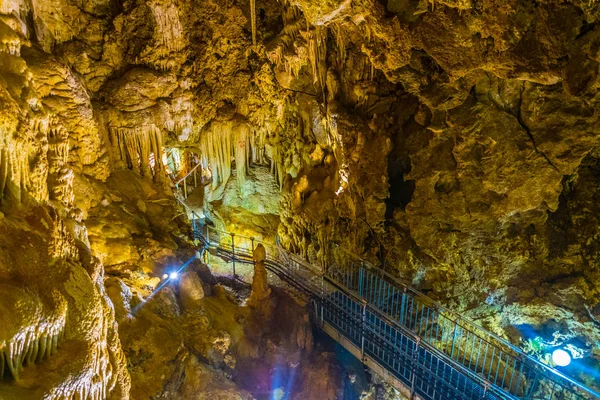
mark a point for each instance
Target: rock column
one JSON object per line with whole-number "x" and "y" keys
{"x": 259, "y": 297}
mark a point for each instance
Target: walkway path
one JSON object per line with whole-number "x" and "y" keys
{"x": 412, "y": 342}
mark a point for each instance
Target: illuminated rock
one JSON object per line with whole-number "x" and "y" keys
{"x": 259, "y": 297}
{"x": 453, "y": 142}
{"x": 190, "y": 290}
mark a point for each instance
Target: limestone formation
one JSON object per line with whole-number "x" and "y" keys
{"x": 190, "y": 290}
{"x": 454, "y": 143}
{"x": 259, "y": 297}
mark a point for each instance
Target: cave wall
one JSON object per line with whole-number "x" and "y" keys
{"x": 485, "y": 112}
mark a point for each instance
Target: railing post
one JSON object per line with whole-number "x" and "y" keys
{"x": 233, "y": 253}
{"x": 193, "y": 226}
{"x": 362, "y": 332}
{"x": 184, "y": 188}
{"x": 361, "y": 276}
{"x": 454, "y": 339}
{"x": 195, "y": 179}
{"x": 380, "y": 291}
{"x": 402, "y": 306}
{"x": 533, "y": 386}
{"x": 414, "y": 367}
{"x": 486, "y": 386}
{"x": 208, "y": 243}
{"x": 322, "y": 296}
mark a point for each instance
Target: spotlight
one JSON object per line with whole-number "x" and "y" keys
{"x": 173, "y": 275}
{"x": 561, "y": 357}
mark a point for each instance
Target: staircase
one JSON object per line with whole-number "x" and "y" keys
{"x": 413, "y": 343}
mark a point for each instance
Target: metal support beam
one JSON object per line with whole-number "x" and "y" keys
{"x": 233, "y": 253}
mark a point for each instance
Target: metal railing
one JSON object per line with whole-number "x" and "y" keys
{"x": 190, "y": 180}
{"x": 483, "y": 353}
{"x": 435, "y": 352}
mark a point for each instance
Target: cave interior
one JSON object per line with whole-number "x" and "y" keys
{"x": 185, "y": 185}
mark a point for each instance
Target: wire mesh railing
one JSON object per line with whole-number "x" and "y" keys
{"x": 420, "y": 368}
{"x": 436, "y": 352}
{"x": 497, "y": 361}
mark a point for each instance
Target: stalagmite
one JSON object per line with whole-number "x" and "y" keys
{"x": 260, "y": 294}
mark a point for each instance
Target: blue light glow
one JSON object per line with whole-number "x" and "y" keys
{"x": 188, "y": 262}
{"x": 561, "y": 357}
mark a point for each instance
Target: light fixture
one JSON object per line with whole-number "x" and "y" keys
{"x": 561, "y": 357}
{"x": 173, "y": 275}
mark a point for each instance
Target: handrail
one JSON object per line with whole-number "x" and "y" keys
{"x": 188, "y": 174}
{"x": 554, "y": 376}
{"x": 459, "y": 318}
{"x": 247, "y": 258}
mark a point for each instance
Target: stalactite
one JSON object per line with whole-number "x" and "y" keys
{"x": 215, "y": 144}
{"x": 290, "y": 14}
{"x": 253, "y": 20}
{"x": 14, "y": 166}
{"x": 10, "y": 42}
{"x": 4, "y": 169}
{"x": 340, "y": 40}
{"x": 277, "y": 166}
{"x": 11, "y": 48}
{"x": 181, "y": 126}
{"x": 293, "y": 27}
{"x": 135, "y": 145}
{"x": 35, "y": 337}
{"x": 60, "y": 177}
{"x": 168, "y": 31}
{"x": 317, "y": 54}
{"x": 228, "y": 141}
{"x": 241, "y": 153}
{"x": 257, "y": 146}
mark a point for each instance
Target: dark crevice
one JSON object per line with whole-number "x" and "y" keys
{"x": 528, "y": 131}
{"x": 401, "y": 192}
{"x": 586, "y": 27}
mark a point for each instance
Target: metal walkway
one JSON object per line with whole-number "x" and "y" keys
{"x": 412, "y": 342}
